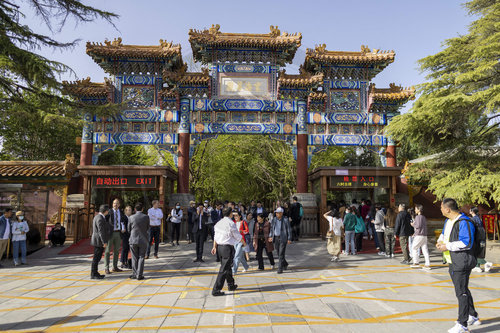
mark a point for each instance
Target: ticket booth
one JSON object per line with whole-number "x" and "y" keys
{"x": 332, "y": 184}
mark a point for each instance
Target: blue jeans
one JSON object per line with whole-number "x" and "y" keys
{"x": 239, "y": 256}
{"x": 349, "y": 239}
{"x": 15, "y": 251}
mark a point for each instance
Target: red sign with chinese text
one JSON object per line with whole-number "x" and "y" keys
{"x": 489, "y": 222}
{"x": 124, "y": 182}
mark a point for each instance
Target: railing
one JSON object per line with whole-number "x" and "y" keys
{"x": 78, "y": 222}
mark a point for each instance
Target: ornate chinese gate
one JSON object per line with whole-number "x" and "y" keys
{"x": 242, "y": 90}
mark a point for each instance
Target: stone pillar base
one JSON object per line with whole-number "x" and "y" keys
{"x": 182, "y": 198}
{"x": 309, "y": 225}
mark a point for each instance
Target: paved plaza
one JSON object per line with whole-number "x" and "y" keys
{"x": 363, "y": 293}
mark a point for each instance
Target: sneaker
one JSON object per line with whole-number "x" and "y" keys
{"x": 381, "y": 253}
{"x": 244, "y": 270}
{"x": 404, "y": 262}
{"x": 387, "y": 255}
{"x": 488, "y": 266}
{"x": 458, "y": 328}
{"x": 473, "y": 321}
{"x": 426, "y": 268}
{"x": 415, "y": 265}
{"x": 392, "y": 255}
{"x": 477, "y": 269}
{"x": 334, "y": 259}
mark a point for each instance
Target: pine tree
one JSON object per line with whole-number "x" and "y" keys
{"x": 457, "y": 113}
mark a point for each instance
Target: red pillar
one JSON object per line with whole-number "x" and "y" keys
{"x": 86, "y": 153}
{"x": 183, "y": 164}
{"x": 390, "y": 155}
{"x": 301, "y": 163}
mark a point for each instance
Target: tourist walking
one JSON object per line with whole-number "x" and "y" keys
{"x": 155, "y": 215}
{"x": 281, "y": 235}
{"x": 403, "y": 230}
{"x": 359, "y": 231}
{"x": 175, "y": 222}
{"x": 239, "y": 248}
{"x": 349, "y": 230}
{"x": 456, "y": 242}
{"x": 474, "y": 212}
{"x": 261, "y": 241}
{"x": 191, "y": 212}
{"x": 296, "y": 213}
{"x": 334, "y": 235}
{"x": 57, "y": 236}
{"x": 99, "y": 239}
{"x": 420, "y": 239}
{"x": 19, "y": 229}
{"x": 225, "y": 238}
{"x": 138, "y": 227}
{"x": 216, "y": 217}
{"x": 4, "y": 231}
{"x": 116, "y": 221}
{"x": 200, "y": 231}
{"x": 125, "y": 239}
{"x": 379, "y": 228}
{"x": 390, "y": 239}
{"x": 251, "y": 228}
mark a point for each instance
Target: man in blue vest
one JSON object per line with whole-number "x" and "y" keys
{"x": 456, "y": 242}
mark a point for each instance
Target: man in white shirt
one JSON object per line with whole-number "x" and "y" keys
{"x": 226, "y": 236}
{"x": 155, "y": 215}
{"x": 4, "y": 231}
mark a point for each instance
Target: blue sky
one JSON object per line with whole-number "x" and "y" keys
{"x": 413, "y": 29}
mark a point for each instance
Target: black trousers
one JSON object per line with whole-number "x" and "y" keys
{"x": 125, "y": 249}
{"x": 154, "y": 233}
{"x": 176, "y": 231}
{"x": 199, "y": 238}
{"x": 261, "y": 246}
{"x": 226, "y": 267}
{"x": 57, "y": 240}
{"x": 381, "y": 240}
{"x": 465, "y": 302}
{"x": 190, "y": 232}
{"x": 280, "y": 247}
{"x": 358, "y": 241}
{"x": 295, "y": 230}
{"x": 98, "y": 251}
{"x": 210, "y": 231}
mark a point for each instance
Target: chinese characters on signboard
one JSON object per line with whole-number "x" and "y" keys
{"x": 124, "y": 182}
{"x": 359, "y": 182}
{"x": 256, "y": 87}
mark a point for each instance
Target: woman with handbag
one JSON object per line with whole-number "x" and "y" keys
{"x": 334, "y": 233}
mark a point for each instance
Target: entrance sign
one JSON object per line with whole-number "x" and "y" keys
{"x": 124, "y": 182}
{"x": 244, "y": 86}
{"x": 359, "y": 182}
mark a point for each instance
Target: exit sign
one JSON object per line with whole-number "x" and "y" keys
{"x": 124, "y": 182}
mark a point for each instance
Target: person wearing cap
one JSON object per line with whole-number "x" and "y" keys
{"x": 225, "y": 238}
{"x": 4, "y": 231}
{"x": 19, "y": 229}
{"x": 281, "y": 235}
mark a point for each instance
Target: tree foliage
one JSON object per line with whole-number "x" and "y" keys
{"x": 457, "y": 112}
{"x": 243, "y": 167}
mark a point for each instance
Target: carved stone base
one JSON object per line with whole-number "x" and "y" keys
{"x": 182, "y": 198}
{"x": 309, "y": 224}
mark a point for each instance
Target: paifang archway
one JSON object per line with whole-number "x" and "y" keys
{"x": 241, "y": 90}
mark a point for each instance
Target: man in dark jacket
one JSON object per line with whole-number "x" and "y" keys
{"x": 456, "y": 242}
{"x": 191, "y": 213}
{"x": 57, "y": 236}
{"x": 138, "y": 228}
{"x": 200, "y": 220}
{"x": 404, "y": 230}
{"x": 296, "y": 212}
{"x": 280, "y": 235}
{"x": 100, "y": 237}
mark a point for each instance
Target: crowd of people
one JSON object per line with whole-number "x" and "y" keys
{"x": 114, "y": 228}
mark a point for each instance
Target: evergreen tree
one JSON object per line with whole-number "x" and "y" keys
{"x": 457, "y": 114}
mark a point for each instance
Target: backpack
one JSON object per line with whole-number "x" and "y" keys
{"x": 479, "y": 243}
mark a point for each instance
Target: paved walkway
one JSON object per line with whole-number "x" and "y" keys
{"x": 363, "y": 293}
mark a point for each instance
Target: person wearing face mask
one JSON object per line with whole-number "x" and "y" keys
{"x": 19, "y": 229}
{"x": 176, "y": 219}
{"x": 155, "y": 215}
